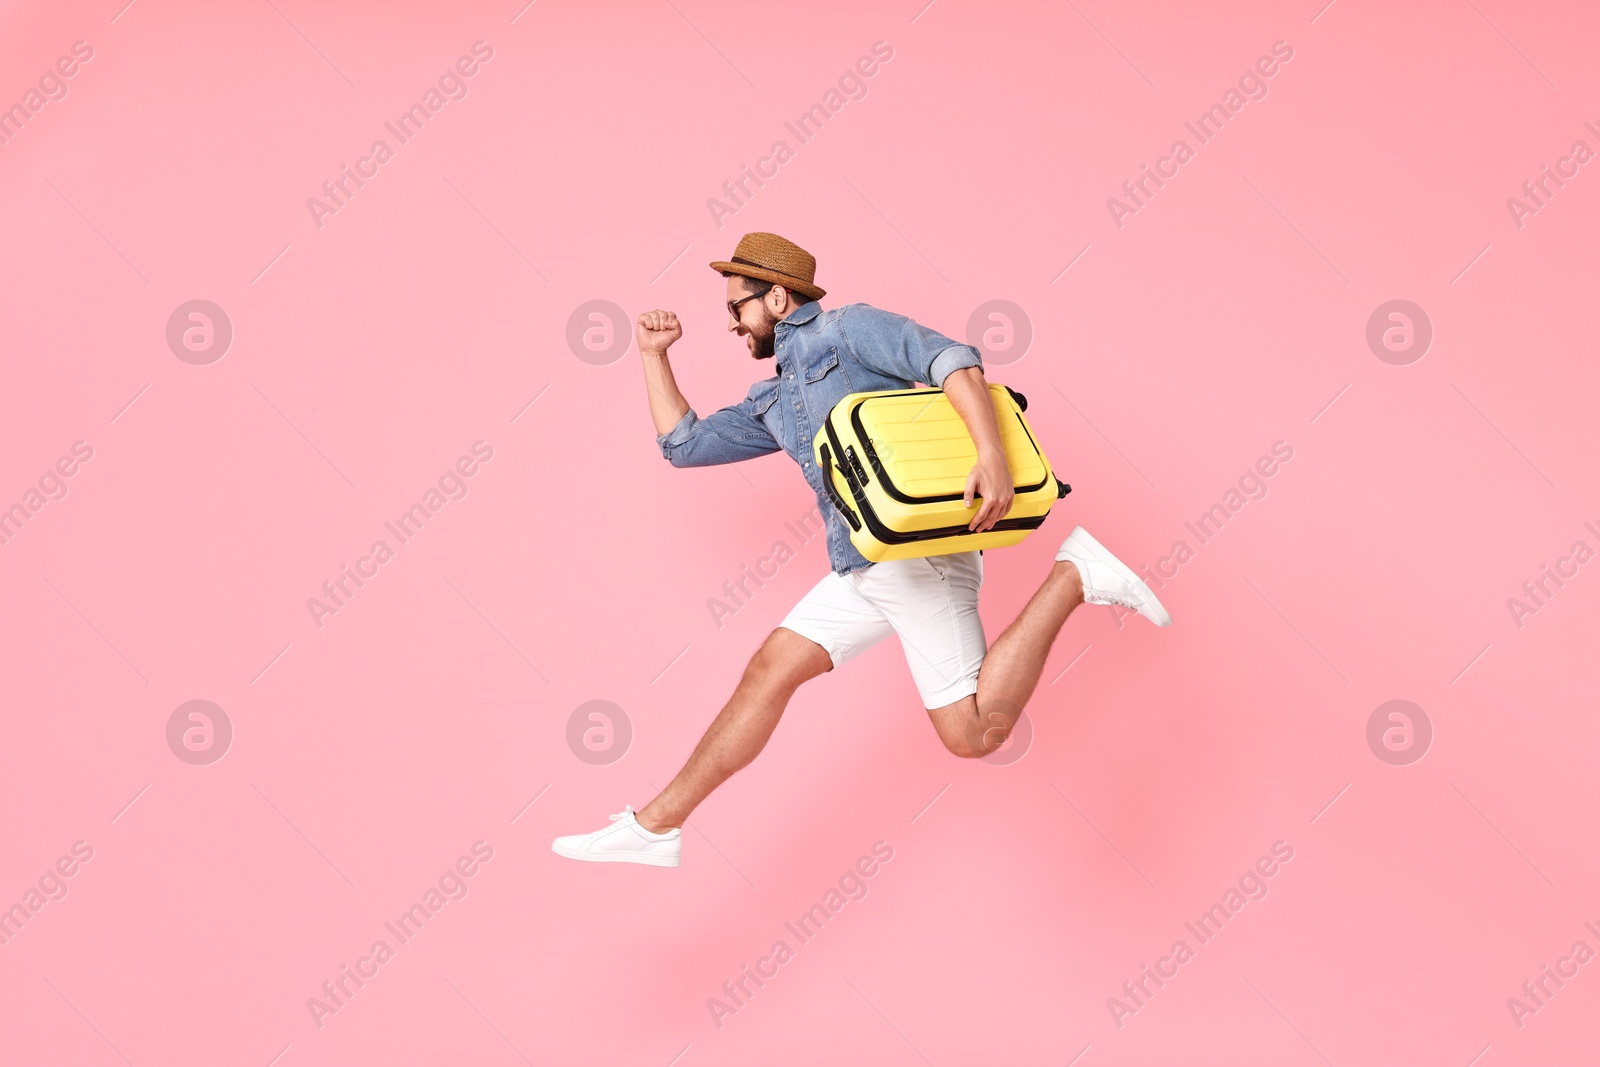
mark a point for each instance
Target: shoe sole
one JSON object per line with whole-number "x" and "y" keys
{"x": 1158, "y": 612}
{"x": 616, "y": 857}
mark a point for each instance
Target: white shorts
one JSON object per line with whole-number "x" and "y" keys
{"x": 931, "y": 602}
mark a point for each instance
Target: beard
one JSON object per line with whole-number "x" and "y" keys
{"x": 763, "y": 336}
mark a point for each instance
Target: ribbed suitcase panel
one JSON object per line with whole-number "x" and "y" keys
{"x": 923, "y": 447}
{"x": 926, "y": 449}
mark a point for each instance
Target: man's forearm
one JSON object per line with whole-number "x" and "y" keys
{"x": 667, "y": 404}
{"x": 969, "y": 395}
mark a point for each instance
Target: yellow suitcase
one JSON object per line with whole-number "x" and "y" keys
{"x": 895, "y": 463}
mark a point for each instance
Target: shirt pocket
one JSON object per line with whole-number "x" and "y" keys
{"x": 762, "y": 407}
{"x": 823, "y": 365}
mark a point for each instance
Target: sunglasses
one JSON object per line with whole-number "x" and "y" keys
{"x": 733, "y": 305}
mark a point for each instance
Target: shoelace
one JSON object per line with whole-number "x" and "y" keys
{"x": 1126, "y": 600}
{"x": 652, "y": 835}
{"x": 623, "y": 814}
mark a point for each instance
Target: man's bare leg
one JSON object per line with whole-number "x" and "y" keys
{"x": 977, "y": 725}
{"x": 740, "y": 730}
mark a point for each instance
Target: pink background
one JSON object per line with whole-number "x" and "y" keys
{"x": 368, "y": 754}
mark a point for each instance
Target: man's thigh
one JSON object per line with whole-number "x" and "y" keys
{"x": 932, "y": 603}
{"x": 837, "y": 617}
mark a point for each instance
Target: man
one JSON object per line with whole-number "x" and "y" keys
{"x": 974, "y": 695}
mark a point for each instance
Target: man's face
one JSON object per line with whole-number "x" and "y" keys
{"x": 756, "y": 324}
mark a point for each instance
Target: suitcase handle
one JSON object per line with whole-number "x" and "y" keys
{"x": 1022, "y": 401}
{"x": 833, "y": 494}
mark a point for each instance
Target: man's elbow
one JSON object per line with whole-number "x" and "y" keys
{"x": 689, "y": 454}
{"x": 963, "y": 374}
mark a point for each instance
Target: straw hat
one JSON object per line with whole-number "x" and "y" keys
{"x": 772, "y": 259}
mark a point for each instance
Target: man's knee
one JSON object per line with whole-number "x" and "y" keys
{"x": 957, "y": 726}
{"x": 786, "y": 659}
{"x": 964, "y": 748}
{"x": 972, "y": 732}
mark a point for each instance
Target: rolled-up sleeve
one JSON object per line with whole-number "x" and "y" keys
{"x": 895, "y": 345}
{"x": 727, "y": 435}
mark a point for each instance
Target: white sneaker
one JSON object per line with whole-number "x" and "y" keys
{"x": 1108, "y": 580}
{"x": 624, "y": 841}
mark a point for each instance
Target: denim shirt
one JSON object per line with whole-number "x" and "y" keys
{"x": 821, "y": 356}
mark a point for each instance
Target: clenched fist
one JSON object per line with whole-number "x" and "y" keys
{"x": 656, "y": 330}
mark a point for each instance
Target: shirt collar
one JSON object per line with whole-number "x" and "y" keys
{"x": 799, "y": 316}
{"x": 802, "y": 314}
